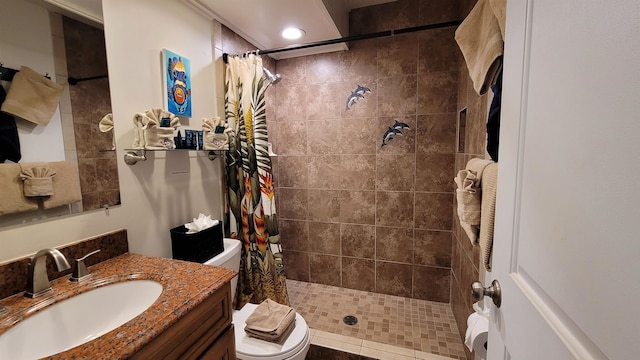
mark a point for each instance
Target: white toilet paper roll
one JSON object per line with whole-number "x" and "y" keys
{"x": 477, "y": 333}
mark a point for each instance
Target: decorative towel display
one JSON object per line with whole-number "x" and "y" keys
{"x": 481, "y": 41}
{"x": 216, "y": 133}
{"x": 9, "y": 140}
{"x": 38, "y": 181}
{"x": 150, "y": 132}
{"x": 12, "y": 191}
{"x": 139, "y": 122}
{"x": 469, "y": 197}
{"x": 66, "y": 185}
{"x": 488, "y": 211}
{"x": 32, "y": 97}
{"x": 106, "y": 125}
{"x": 271, "y": 322}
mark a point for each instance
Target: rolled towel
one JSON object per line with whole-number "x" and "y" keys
{"x": 38, "y": 181}
{"x": 270, "y": 320}
{"x": 481, "y": 42}
{"x": 139, "y": 122}
{"x": 469, "y": 196}
{"x": 106, "y": 125}
{"x": 216, "y": 133}
{"x": 476, "y": 166}
{"x": 155, "y": 116}
{"x": 158, "y": 137}
{"x": 32, "y": 97}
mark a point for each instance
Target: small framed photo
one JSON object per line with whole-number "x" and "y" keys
{"x": 176, "y": 79}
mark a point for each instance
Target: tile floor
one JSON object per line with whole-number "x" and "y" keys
{"x": 389, "y": 327}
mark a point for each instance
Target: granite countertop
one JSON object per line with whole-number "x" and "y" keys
{"x": 185, "y": 285}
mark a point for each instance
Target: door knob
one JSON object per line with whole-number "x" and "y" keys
{"x": 493, "y": 291}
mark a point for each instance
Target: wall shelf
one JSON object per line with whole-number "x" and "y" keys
{"x": 132, "y": 156}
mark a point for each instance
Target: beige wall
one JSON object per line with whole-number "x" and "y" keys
{"x": 169, "y": 188}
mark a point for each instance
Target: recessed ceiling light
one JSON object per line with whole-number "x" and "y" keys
{"x": 292, "y": 33}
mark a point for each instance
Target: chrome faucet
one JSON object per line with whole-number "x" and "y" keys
{"x": 38, "y": 280}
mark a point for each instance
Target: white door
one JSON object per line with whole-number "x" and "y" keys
{"x": 567, "y": 239}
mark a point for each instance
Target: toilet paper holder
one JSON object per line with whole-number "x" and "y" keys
{"x": 494, "y": 292}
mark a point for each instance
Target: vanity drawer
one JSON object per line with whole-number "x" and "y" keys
{"x": 224, "y": 348}
{"x": 195, "y": 332}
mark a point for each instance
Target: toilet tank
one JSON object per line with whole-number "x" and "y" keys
{"x": 229, "y": 258}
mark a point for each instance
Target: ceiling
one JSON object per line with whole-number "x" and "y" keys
{"x": 320, "y": 19}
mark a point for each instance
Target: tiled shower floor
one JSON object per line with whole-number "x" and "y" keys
{"x": 413, "y": 327}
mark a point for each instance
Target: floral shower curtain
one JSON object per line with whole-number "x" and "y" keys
{"x": 252, "y": 205}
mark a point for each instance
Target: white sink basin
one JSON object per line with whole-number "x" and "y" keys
{"x": 78, "y": 320}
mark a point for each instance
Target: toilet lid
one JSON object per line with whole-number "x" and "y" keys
{"x": 260, "y": 349}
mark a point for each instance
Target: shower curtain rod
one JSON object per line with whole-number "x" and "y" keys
{"x": 354, "y": 38}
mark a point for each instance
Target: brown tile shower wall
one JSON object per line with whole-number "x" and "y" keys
{"x": 352, "y": 213}
{"x": 90, "y": 102}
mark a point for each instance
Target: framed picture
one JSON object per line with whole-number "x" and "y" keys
{"x": 177, "y": 83}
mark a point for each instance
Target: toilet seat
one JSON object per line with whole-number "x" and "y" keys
{"x": 248, "y": 348}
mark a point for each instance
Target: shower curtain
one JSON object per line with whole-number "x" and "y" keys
{"x": 252, "y": 205}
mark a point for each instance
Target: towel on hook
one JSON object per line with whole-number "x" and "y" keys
{"x": 469, "y": 197}
{"x": 480, "y": 40}
{"x": 32, "y": 97}
{"x": 488, "y": 212}
{"x": 66, "y": 185}
{"x": 12, "y": 191}
{"x": 499, "y": 8}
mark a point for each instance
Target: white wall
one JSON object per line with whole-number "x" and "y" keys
{"x": 25, "y": 40}
{"x": 170, "y": 188}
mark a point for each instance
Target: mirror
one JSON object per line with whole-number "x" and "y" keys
{"x": 64, "y": 45}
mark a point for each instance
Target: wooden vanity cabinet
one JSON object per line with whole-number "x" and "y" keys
{"x": 205, "y": 332}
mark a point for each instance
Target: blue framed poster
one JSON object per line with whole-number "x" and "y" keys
{"x": 177, "y": 83}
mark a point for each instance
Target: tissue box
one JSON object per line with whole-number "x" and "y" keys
{"x": 197, "y": 247}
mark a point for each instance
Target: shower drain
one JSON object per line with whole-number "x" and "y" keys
{"x": 350, "y": 320}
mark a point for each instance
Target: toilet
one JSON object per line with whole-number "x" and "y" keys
{"x": 247, "y": 348}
